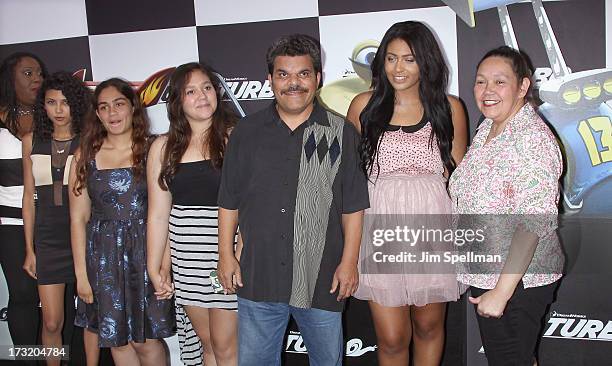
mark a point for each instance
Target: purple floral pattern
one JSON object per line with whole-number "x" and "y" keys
{"x": 125, "y": 308}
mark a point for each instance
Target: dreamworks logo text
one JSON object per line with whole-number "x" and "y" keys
{"x": 578, "y": 327}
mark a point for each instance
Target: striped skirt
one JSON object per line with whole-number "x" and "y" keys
{"x": 194, "y": 248}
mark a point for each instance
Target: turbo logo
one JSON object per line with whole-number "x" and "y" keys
{"x": 155, "y": 89}
{"x": 244, "y": 89}
{"x": 541, "y": 75}
{"x": 354, "y": 347}
{"x": 574, "y": 326}
{"x": 3, "y": 314}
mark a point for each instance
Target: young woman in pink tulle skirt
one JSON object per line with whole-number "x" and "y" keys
{"x": 413, "y": 135}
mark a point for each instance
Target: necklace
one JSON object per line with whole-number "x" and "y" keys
{"x": 24, "y": 111}
{"x": 60, "y": 149}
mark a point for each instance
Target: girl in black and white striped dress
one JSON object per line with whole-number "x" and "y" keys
{"x": 184, "y": 172}
{"x": 193, "y": 235}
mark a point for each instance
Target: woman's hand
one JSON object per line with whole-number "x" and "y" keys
{"x": 29, "y": 265}
{"x": 84, "y": 291}
{"x": 491, "y": 304}
{"x": 162, "y": 282}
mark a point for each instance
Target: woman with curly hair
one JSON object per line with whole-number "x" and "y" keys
{"x": 184, "y": 172}
{"x": 61, "y": 107}
{"x": 21, "y": 75}
{"x": 108, "y": 212}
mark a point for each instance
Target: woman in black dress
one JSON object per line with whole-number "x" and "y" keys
{"x": 21, "y": 75}
{"x": 61, "y": 106}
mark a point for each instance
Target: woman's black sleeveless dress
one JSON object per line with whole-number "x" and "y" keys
{"x": 50, "y": 167}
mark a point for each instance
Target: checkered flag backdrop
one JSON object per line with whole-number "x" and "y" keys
{"x": 138, "y": 40}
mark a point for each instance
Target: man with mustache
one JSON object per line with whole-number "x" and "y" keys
{"x": 291, "y": 180}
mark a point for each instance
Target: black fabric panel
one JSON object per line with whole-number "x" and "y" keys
{"x": 12, "y": 212}
{"x": 12, "y": 172}
{"x": 335, "y": 7}
{"x": 117, "y": 16}
{"x": 68, "y": 54}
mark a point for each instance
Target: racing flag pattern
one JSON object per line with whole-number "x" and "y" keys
{"x": 142, "y": 41}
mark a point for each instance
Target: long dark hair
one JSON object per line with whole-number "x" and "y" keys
{"x": 8, "y": 97}
{"x": 77, "y": 95}
{"x": 94, "y": 134}
{"x": 179, "y": 133}
{"x": 433, "y": 75}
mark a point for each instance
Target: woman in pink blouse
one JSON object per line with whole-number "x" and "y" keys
{"x": 512, "y": 168}
{"x": 412, "y": 136}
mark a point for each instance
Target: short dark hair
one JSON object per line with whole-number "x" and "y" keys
{"x": 519, "y": 61}
{"x": 295, "y": 45}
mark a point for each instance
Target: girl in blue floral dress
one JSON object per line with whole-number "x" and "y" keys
{"x": 108, "y": 206}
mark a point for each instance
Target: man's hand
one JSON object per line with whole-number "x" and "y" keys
{"x": 346, "y": 278}
{"x": 491, "y": 304}
{"x": 229, "y": 273}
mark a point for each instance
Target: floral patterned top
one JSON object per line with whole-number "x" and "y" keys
{"x": 408, "y": 150}
{"x": 516, "y": 173}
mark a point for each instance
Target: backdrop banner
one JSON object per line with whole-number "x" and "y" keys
{"x": 567, "y": 41}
